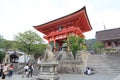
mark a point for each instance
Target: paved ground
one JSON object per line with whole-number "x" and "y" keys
{"x": 71, "y": 77}
{"x": 86, "y": 77}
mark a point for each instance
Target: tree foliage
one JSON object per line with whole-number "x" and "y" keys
{"x": 75, "y": 44}
{"x": 2, "y": 55}
{"x": 90, "y": 43}
{"x": 98, "y": 45}
{"x": 2, "y": 43}
{"x": 30, "y": 42}
{"x": 2, "y": 40}
{"x": 6, "y": 44}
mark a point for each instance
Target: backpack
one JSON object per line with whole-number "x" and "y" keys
{"x": 30, "y": 68}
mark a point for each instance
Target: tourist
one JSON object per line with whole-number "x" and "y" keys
{"x": 89, "y": 72}
{"x": 91, "y": 51}
{"x": 25, "y": 70}
{"x": 5, "y": 70}
{"x": 30, "y": 70}
{"x": 10, "y": 70}
{"x": 1, "y": 69}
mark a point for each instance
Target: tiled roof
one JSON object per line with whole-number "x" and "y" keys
{"x": 108, "y": 34}
{"x": 80, "y": 14}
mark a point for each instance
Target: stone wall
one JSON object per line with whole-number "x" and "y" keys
{"x": 67, "y": 65}
{"x": 69, "y": 68}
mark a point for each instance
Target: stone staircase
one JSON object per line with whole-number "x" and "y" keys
{"x": 104, "y": 63}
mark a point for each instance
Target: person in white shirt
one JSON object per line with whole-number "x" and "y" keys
{"x": 25, "y": 69}
{"x": 30, "y": 71}
{"x": 89, "y": 72}
{"x": 5, "y": 70}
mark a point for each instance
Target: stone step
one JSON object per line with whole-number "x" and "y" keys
{"x": 105, "y": 64}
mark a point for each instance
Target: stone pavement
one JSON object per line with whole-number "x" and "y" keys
{"x": 91, "y": 77}
{"x": 71, "y": 77}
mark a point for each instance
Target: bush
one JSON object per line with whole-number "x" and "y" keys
{"x": 110, "y": 51}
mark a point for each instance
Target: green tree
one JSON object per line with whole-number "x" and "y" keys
{"x": 75, "y": 44}
{"x": 2, "y": 55}
{"x": 90, "y": 43}
{"x": 5, "y": 44}
{"x": 1, "y": 38}
{"x": 30, "y": 42}
{"x": 39, "y": 50}
{"x": 1, "y": 42}
{"x": 98, "y": 45}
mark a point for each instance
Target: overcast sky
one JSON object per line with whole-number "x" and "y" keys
{"x": 17, "y": 16}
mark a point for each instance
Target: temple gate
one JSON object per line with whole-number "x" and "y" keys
{"x": 56, "y": 31}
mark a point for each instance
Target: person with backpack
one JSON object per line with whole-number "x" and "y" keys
{"x": 1, "y": 69}
{"x": 30, "y": 70}
{"x": 10, "y": 70}
{"x": 25, "y": 70}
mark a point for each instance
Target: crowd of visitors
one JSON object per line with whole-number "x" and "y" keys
{"x": 6, "y": 70}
